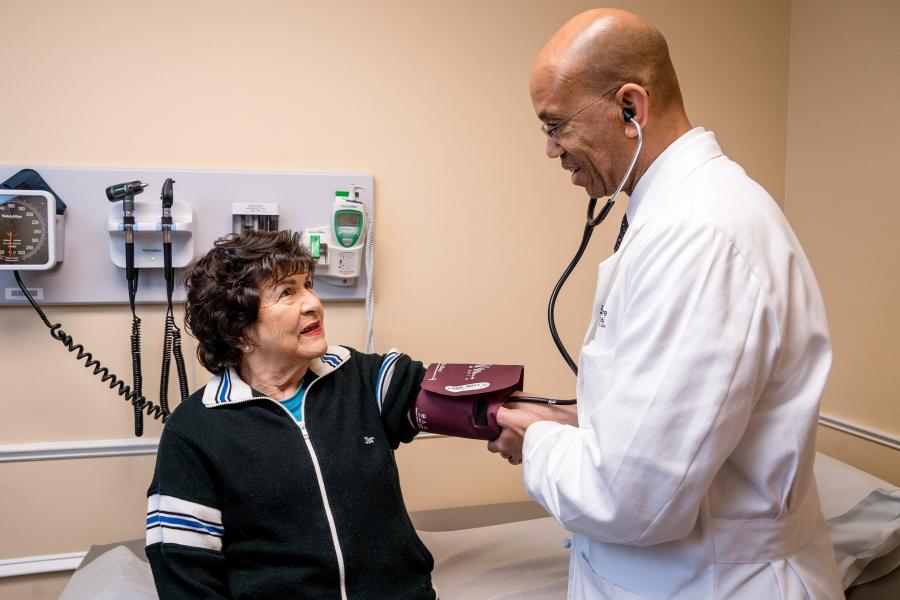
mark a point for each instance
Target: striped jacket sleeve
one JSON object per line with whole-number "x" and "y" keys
{"x": 184, "y": 524}
{"x": 397, "y": 384}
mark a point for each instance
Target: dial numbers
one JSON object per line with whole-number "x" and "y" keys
{"x": 23, "y": 230}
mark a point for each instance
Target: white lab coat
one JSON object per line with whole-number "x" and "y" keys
{"x": 690, "y": 475}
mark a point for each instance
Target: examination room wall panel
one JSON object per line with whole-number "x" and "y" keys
{"x": 842, "y": 182}
{"x": 474, "y": 224}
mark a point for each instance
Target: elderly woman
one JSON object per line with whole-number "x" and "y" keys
{"x": 277, "y": 479}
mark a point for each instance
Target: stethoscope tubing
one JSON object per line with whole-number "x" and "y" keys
{"x": 591, "y": 222}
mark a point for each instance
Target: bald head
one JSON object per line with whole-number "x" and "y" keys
{"x": 603, "y": 47}
{"x": 602, "y": 80}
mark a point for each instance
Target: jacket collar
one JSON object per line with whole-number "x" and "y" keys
{"x": 655, "y": 190}
{"x": 229, "y": 388}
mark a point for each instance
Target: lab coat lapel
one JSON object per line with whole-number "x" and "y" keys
{"x": 606, "y": 276}
{"x": 606, "y": 273}
{"x": 661, "y": 192}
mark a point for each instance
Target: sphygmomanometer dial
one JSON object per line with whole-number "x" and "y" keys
{"x": 24, "y": 238}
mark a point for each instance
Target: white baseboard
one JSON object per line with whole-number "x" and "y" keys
{"x": 93, "y": 449}
{"x": 81, "y": 449}
{"x": 47, "y": 563}
{"x": 866, "y": 433}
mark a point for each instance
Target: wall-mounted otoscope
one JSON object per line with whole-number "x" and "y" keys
{"x": 125, "y": 192}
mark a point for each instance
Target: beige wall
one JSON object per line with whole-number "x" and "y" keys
{"x": 843, "y": 148}
{"x": 432, "y": 98}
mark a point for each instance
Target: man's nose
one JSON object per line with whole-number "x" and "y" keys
{"x": 553, "y": 150}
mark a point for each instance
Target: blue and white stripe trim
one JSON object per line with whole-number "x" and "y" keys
{"x": 332, "y": 359}
{"x": 224, "y": 388}
{"x": 228, "y": 388}
{"x": 385, "y": 373}
{"x": 172, "y": 520}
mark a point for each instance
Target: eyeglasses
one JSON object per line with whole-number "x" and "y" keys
{"x": 552, "y": 131}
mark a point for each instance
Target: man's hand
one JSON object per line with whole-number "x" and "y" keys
{"x": 516, "y": 417}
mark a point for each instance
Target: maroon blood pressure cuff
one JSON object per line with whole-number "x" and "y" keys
{"x": 462, "y": 400}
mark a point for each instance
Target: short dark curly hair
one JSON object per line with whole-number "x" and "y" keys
{"x": 223, "y": 290}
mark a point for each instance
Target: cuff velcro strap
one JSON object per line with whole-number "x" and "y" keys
{"x": 462, "y": 400}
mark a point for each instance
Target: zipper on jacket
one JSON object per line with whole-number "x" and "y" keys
{"x": 321, "y": 481}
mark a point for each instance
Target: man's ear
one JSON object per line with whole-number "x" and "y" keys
{"x": 635, "y": 103}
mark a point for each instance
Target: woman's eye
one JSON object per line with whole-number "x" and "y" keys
{"x": 308, "y": 285}
{"x": 285, "y": 292}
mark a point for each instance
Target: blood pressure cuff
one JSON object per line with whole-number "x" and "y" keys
{"x": 462, "y": 400}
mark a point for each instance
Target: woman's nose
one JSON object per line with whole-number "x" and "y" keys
{"x": 311, "y": 302}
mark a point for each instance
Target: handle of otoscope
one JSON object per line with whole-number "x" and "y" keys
{"x": 168, "y": 271}
{"x": 129, "y": 255}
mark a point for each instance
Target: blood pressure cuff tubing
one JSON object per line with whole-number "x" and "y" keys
{"x": 462, "y": 400}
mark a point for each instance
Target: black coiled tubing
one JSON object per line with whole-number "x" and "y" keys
{"x": 171, "y": 338}
{"x": 140, "y": 403}
{"x": 172, "y": 347}
{"x": 137, "y": 377}
{"x": 168, "y": 342}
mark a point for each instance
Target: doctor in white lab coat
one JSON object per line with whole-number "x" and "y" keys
{"x": 690, "y": 472}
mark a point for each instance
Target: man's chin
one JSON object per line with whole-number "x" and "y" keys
{"x": 594, "y": 192}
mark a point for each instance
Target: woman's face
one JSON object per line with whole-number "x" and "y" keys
{"x": 290, "y": 325}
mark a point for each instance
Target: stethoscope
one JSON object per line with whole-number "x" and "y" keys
{"x": 592, "y": 221}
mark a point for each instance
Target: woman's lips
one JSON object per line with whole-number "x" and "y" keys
{"x": 312, "y": 329}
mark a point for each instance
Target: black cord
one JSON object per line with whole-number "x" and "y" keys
{"x": 172, "y": 347}
{"x": 138, "y": 378}
{"x": 172, "y": 336}
{"x": 137, "y": 400}
{"x": 166, "y": 362}
{"x": 592, "y": 221}
{"x": 539, "y": 400}
{"x": 179, "y": 361}
{"x": 551, "y": 307}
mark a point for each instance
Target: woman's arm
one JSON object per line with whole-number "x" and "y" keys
{"x": 398, "y": 379}
{"x": 184, "y": 523}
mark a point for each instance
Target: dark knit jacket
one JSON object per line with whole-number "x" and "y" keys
{"x": 248, "y": 503}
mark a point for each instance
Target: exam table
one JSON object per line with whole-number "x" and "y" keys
{"x": 515, "y": 551}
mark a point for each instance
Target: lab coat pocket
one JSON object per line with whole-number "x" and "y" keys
{"x": 595, "y": 374}
{"x": 589, "y": 585}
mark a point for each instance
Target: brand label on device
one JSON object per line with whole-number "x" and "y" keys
{"x": 468, "y": 387}
{"x": 16, "y": 294}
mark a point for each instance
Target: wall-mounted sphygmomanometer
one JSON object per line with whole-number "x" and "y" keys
{"x": 32, "y": 224}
